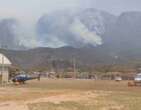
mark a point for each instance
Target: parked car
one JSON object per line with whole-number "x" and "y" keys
{"x": 118, "y": 78}
{"x": 138, "y": 78}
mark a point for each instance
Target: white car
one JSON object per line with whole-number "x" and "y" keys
{"x": 137, "y": 78}
{"x": 118, "y": 78}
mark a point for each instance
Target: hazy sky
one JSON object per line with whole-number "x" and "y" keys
{"x": 116, "y": 6}
{"x": 29, "y": 11}
{"x": 32, "y": 9}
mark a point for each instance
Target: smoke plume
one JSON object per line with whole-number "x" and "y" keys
{"x": 8, "y": 37}
{"x": 65, "y": 29}
{"x": 62, "y": 28}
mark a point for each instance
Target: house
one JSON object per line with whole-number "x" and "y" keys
{"x": 4, "y": 68}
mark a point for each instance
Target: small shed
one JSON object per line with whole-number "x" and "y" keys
{"x": 5, "y": 63}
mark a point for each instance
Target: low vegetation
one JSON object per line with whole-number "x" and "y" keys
{"x": 70, "y": 95}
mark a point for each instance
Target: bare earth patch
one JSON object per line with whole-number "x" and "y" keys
{"x": 70, "y": 95}
{"x": 27, "y": 97}
{"x": 21, "y": 104}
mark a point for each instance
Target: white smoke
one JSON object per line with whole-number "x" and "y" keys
{"x": 55, "y": 30}
{"x": 8, "y": 38}
{"x": 53, "y": 42}
{"x": 14, "y": 35}
{"x": 26, "y": 36}
{"x": 83, "y": 34}
{"x": 67, "y": 29}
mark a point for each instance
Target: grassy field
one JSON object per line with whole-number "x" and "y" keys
{"x": 70, "y": 95}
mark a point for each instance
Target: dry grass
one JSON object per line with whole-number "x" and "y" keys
{"x": 71, "y": 95}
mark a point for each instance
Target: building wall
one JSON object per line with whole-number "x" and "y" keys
{"x": 4, "y": 72}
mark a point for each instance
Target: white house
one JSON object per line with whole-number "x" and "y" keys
{"x": 4, "y": 68}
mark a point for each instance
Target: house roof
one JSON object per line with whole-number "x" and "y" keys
{"x": 4, "y": 60}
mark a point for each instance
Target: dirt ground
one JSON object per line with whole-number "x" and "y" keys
{"x": 70, "y": 95}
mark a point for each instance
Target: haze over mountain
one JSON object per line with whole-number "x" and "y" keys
{"x": 114, "y": 31}
{"x": 94, "y": 36}
{"x": 76, "y": 29}
{"x": 78, "y": 14}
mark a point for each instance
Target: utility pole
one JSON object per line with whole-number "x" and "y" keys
{"x": 74, "y": 67}
{"x": 3, "y": 78}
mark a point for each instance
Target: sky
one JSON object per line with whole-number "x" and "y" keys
{"x": 28, "y": 12}
{"x": 115, "y": 6}
{"x": 31, "y": 10}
